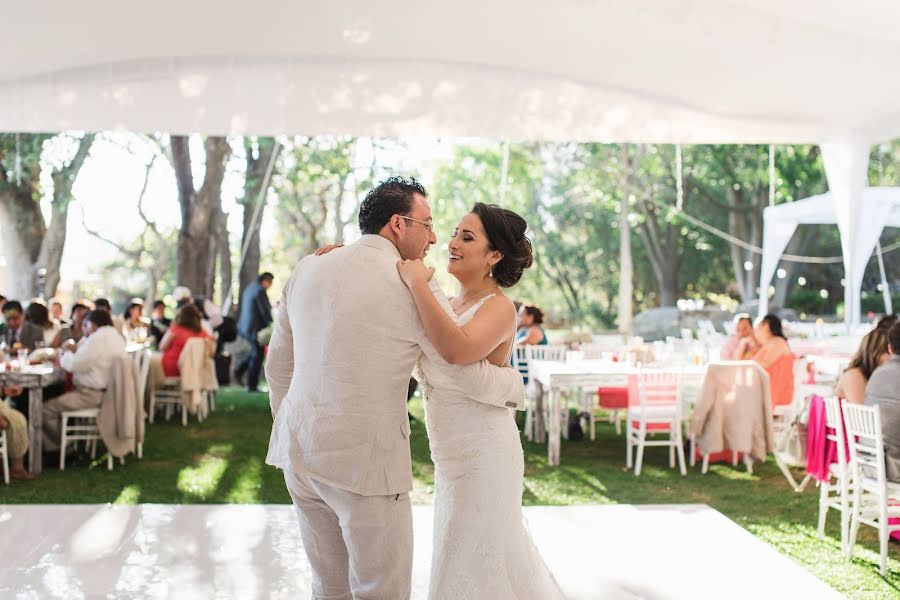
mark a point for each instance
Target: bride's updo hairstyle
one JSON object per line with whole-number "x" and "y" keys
{"x": 506, "y": 234}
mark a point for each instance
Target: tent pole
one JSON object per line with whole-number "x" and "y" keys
{"x": 771, "y": 174}
{"x": 679, "y": 178}
{"x": 885, "y": 289}
{"x": 257, "y": 211}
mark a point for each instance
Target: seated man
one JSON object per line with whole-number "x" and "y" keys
{"x": 90, "y": 363}
{"x": 742, "y": 345}
{"x": 883, "y": 390}
{"x": 17, "y": 332}
{"x": 16, "y": 427}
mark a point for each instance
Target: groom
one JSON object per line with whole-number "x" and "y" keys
{"x": 345, "y": 342}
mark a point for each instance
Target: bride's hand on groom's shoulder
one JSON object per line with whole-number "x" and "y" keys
{"x": 327, "y": 249}
{"x": 414, "y": 272}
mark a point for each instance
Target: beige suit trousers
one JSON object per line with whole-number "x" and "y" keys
{"x": 359, "y": 547}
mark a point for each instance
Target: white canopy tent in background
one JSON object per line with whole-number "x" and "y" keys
{"x": 878, "y": 208}
{"x": 668, "y": 71}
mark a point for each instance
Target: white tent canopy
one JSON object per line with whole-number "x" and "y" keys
{"x": 878, "y": 208}
{"x": 685, "y": 71}
{"x": 688, "y": 71}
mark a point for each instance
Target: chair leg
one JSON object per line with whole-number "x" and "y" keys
{"x": 680, "y": 450}
{"x": 883, "y": 534}
{"x": 638, "y": 463}
{"x": 854, "y": 522}
{"x": 109, "y": 461}
{"x": 93, "y": 449}
{"x": 734, "y": 458}
{"x": 845, "y": 512}
{"x": 140, "y": 450}
{"x": 184, "y": 415}
{"x": 618, "y": 421}
{"x": 749, "y": 462}
{"x": 593, "y": 426}
{"x": 705, "y": 466}
{"x": 628, "y": 444}
{"x": 62, "y": 443}
{"x": 693, "y": 451}
{"x": 823, "y": 508}
{"x": 152, "y": 408}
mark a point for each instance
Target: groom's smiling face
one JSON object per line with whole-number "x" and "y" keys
{"x": 415, "y": 236}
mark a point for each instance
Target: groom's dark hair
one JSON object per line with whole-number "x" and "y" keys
{"x": 393, "y": 196}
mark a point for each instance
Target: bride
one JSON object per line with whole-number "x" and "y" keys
{"x": 482, "y": 548}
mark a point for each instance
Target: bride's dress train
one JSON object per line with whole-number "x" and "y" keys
{"x": 482, "y": 548}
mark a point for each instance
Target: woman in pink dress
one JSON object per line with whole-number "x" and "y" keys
{"x": 775, "y": 356}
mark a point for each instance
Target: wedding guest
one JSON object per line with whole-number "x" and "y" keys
{"x": 886, "y": 322}
{"x": 17, "y": 332}
{"x": 188, "y": 324}
{"x": 742, "y": 345}
{"x": 16, "y": 427}
{"x": 56, "y": 313}
{"x": 530, "y": 332}
{"x": 103, "y": 304}
{"x": 74, "y": 331}
{"x": 256, "y": 315}
{"x": 38, "y": 314}
{"x": 775, "y": 356}
{"x": 181, "y": 295}
{"x": 884, "y": 390}
{"x": 133, "y": 318}
{"x": 872, "y": 353}
{"x": 159, "y": 323}
{"x": 90, "y": 363}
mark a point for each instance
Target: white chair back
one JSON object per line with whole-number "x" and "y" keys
{"x": 520, "y": 360}
{"x": 864, "y": 437}
{"x": 552, "y": 353}
{"x": 659, "y": 389}
{"x": 834, "y": 420}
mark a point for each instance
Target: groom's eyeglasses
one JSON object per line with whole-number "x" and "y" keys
{"x": 428, "y": 224}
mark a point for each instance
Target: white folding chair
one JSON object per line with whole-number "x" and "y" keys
{"x": 836, "y": 495}
{"x": 533, "y": 353}
{"x": 143, "y": 359}
{"x": 167, "y": 394}
{"x": 875, "y": 500}
{"x": 80, "y": 426}
{"x": 658, "y": 413}
{"x": 4, "y": 456}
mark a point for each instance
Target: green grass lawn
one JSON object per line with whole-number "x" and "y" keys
{"x": 222, "y": 461}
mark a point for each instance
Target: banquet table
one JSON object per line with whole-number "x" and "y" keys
{"x": 555, "y": 378}
{"x": 34, "y": 378}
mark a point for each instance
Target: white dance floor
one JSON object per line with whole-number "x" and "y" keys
{"x": 254, "y": 551}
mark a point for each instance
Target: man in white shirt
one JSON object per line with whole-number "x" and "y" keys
{"x": 90, "y": 363}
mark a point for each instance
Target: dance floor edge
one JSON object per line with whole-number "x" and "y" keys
{"x": 657, "y": 552}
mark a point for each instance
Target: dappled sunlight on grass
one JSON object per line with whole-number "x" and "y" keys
{"x": 249, "y": 481}
{"x": 131, "y": 494}
{"x": 202, "y": 480}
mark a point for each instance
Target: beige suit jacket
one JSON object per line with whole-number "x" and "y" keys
{"x": 734, "y": 411}
{"x": 346, "y": 340}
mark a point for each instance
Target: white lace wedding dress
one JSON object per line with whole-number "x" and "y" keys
{"x": 482, "y": 548}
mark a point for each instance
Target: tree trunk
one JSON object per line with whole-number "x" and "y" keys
{"x": 253, "y": 182}
{"x": 51, "y": 252}
{"x": 198, "y": 210}
{"x": 226, "y": 272}
{"x": 24, "y": 229}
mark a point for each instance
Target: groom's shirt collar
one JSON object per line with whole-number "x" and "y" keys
{"x": 380, "y": 243}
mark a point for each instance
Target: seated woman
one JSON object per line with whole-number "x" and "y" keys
{"x": 16, "y": 427}
{"x": 775, "y": 356}
{"x": 188, "y": 324}
{"x": 133, "y": 319}
{"x": 530, "y": 332}
{"x": 873, "y": 352}
{"x": 75, "y": 329}
{"x": 38, "y": 314}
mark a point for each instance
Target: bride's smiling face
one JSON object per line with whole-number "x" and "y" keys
{"x": 470, "y": 251}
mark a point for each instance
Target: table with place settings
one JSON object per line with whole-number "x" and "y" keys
{"x": 33, "y": 378}
{"x": 556, "y": 378}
